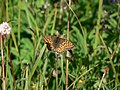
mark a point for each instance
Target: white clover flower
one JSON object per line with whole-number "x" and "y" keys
{"x": 5, "y": 28}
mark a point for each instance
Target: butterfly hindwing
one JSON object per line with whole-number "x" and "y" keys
{"x": 63, "y": 45}
{"x": 57, "y": 44}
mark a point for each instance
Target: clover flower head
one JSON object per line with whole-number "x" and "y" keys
{"x": 5, "y": 28}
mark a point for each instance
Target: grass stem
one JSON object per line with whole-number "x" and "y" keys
{"x": 56, "y": 69}
{"x": 3, "y": 69}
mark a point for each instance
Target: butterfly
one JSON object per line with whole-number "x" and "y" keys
{"x": 57, "y": 44}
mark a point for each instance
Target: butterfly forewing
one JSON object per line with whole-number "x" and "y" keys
{"x": 57, "y": 44}
{"x": 49, "y": 40}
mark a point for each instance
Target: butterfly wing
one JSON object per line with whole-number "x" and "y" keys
{"x": 49, "y": 40}
{"x": 57, "y": 44}
{"x": 63, "y": 45}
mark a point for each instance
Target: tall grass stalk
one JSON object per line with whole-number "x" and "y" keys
{"x": 45, "y": 26}
{"x": 68, "y": 31}
{"x": 118, "y": 26}
{"x": 48, "y": 20}
{"x": 19, "y": 58}
{"x": 6, "y": 79}
{"x": 104, "y": 74}
{"x": 9, "y": 77}
{"x": 98, "y": 25}
{"x": 26, "y": 83}
{"x": 96, "y": 39}
{"x": 19, "y": 13}
{"x": 12, "y": 71}
{"x": 81, "y": 27}
{"x": 36, "y": 64}
{"x": 56, "y": 70}
{"x": 3, "y": 69}
{"x": 110, "y": 58}
{"x": 6, "y": 9}
{"x": 67, "y": 64}
{"x": 76, "y": 18}
{"x": 54, "y": 22}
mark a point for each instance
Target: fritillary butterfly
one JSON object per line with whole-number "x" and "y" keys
{"x": 58, "y": 44}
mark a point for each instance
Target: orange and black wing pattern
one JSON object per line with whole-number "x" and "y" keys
{"x": 57, "y": 44}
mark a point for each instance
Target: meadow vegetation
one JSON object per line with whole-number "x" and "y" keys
{"x": 93, "y": 26}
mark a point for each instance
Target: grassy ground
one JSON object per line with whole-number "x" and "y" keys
{"x": 93, "y": 26}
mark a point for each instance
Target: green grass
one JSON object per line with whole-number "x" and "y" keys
{"x": 94, "y": 31}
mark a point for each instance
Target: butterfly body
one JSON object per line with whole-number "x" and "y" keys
{"x": 57, "y": 44}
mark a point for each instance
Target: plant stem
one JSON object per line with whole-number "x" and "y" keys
{"x": 56, "y": 65}
{"x": 26, "y": 86}
{"x": 105, "y": 72}
{"x": 68, "y": 30}
{"x": 3, "y": 70}
{"x": 98, "y": 26}
{"x": 67, "y": 75}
